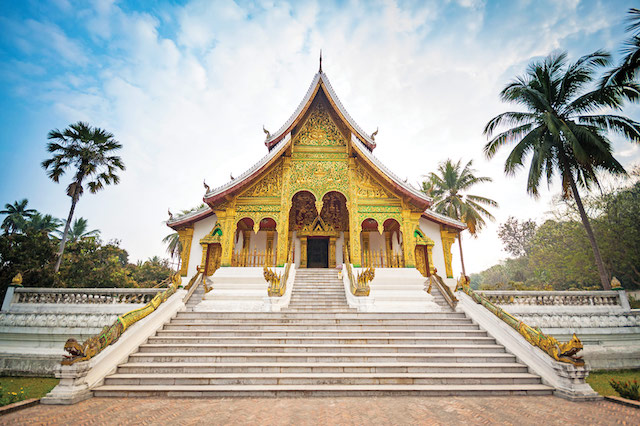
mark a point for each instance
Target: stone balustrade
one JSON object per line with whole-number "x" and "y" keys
{"x": 77, "y": 296}
{"x": 553, "y": 298}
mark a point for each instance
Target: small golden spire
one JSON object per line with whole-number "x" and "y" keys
{"x": 320, "y": 70}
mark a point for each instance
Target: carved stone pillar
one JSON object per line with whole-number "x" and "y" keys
{"x": 332, "y": 252}
{"x": 303, "y": 252}
{"x": 186, "y": 237}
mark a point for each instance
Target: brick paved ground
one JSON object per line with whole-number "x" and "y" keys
{"x": 327, "y": 411}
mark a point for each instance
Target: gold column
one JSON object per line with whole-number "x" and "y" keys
{"x": 269, "y": 251}
{"x": 332, "y": 252}
{"x": 227, "y": 219}
{"x": 354, "y": 224}
{"x": 448, "y": 238}
{"x": 186, "y": 236}
{"x": 285, "y": 206}
{"x": 432, "y": 268}
{"x": 409, "y": 222}
{"x": 366, "y": 252}
{"x": 388, "y": 247}
{"x": 303, "y": 252}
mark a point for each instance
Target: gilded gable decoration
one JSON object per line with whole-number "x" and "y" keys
{"x": 367, "y": 186}
{"x": 269, "y": 186}
{"x": 319, "y": 129}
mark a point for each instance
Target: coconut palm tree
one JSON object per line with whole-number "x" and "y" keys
{"x": 88, "y": 150}
{"x": 17, "y": 215}
{"x": 562, "y": 129}
{"x": 448, "y": 189}
{"x": 78, "y": 231}
{"x": 630, "y": 64}
{"x": 42, "y": 223}
{"x": 174, "y": 246}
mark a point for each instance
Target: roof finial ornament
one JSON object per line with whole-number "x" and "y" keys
{"x": 320, "y": 70}
{"x": 373, "y": 135}
{"x": 204, "y": 182}
{"x": 170, "y": 214}
{"x": 266, "y": 132}
{"x": 231, "y": 176}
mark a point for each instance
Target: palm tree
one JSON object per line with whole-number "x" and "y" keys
{"x": 78, "y": 231}
{"x": 626, "y": 71}
{"x": 447, "y": 187}
{"x": 17, "y": 215}
{"x": 42, "y": 223}
{"x": 562, "y": 129}
{"x": 174, "y": 246}
{"x": 88, "y": 150}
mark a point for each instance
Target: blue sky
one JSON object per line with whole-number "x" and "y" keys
{"x": 186, "y": 87}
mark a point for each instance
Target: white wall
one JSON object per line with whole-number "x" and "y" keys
{"x": 200, "y": 229}
{"x": 432, "y": 230}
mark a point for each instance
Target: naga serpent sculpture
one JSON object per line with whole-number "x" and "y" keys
{"x": 560, "y": 351}
{"x": 110, "y": 334}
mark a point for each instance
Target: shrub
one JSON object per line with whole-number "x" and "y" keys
{"x": 627, "y": 390}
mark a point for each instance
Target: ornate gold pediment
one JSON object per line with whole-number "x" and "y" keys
{"x": 269, "y": 185}
{"x": 215, "y": 236}
{"x": 318, "y": 228}
{"x": 319, "y": 129}
{"x": 367, "y": 186}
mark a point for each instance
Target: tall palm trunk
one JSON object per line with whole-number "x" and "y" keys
{"x": 74, "y": 201}
{"x": 464, "y": 272}
{"x": 604, "y": 276}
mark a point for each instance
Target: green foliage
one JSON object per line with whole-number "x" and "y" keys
{"x": 627, "y": 69}
{"x": 151, "y": 272}
{"x": 625, "y": 389}
{"x": 78, "y": 231}
{"x": 10, "y": 396}
{"x": 517, "y": 236}
{"x": 447, "y": 187}
{"x": 31, "y": 254}
{"x": 89, "y": 263}
{"x": 17, "y": 215}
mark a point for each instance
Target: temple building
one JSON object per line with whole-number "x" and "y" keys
{"x": 318, "y": 195}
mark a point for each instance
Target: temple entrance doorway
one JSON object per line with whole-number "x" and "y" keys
{"x": 317, "y": 252}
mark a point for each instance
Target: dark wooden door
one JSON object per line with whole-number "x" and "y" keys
{"x": 317, "y": 253}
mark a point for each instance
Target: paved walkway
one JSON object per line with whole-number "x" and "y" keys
{"x": 527, "y": 410}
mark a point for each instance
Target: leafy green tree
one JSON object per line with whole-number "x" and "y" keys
{"x": 448, "y": 188}
{"x": 89, "y": 263}
{"x": 561, "y": 129}
{"x": 42, "y": 223}
{"x": 628, "y": 67}
{"x": 78, "y": 231}
{"x": 31, "y": 254}
{"x": 88, "y": 150}
{"x": 151, "y": 272}
{"x": 17, "y": 215}
{"x": 517, "y": 236}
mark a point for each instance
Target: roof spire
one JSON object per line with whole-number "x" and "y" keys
{"x": 320, "y": 70}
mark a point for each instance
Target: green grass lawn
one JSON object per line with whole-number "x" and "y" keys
{"x": 599, "y": 380}
{"x": 33, "y": 387}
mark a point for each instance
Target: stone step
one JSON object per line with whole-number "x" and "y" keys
{"x": 176, "y": 391}
{"x": 321, "y": 367}
{"x": 318, "y": 324}
{"x": 317, "y": 333}
{"x": 320, "y": 348}
{"x": 278, "y": 357}
{"x": 321, "y": 340}
{"x": 279, "y": 315}
{"x": 322, "y": 379}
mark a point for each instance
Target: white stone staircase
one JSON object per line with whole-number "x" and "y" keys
{"x": 320, "y": 346}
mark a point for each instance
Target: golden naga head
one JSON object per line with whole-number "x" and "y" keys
{"x": 567, "y": 351}
{"x": 17, "y": 280}
{"x": 75, "y": 350}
